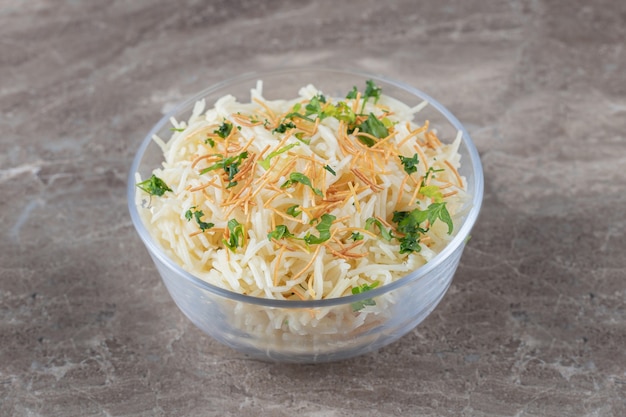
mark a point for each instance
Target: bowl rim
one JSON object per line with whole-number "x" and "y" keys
{"x": 459, "y": 239}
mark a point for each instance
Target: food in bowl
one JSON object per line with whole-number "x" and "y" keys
{"x": 371, "y": 312}
{"x": 305, "y": 198}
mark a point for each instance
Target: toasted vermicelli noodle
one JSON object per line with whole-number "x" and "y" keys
{"x": 295, "y": 199}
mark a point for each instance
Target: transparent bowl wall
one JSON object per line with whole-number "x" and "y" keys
{"x": 324, "y": 330}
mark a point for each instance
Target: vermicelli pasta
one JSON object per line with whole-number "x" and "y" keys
{"x": 304, "y": 198}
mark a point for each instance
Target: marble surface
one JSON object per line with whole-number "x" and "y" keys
{"x": 535, "y": 321}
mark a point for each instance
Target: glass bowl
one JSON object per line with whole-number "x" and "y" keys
{"x": 260, "y": 327}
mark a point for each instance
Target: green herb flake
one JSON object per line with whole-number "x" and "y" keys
{"x": 432, "y": 191}
{"x": 298, "y": 115}
{"x": 344, "y": 113}
{"x": 430, "y": 173}
{"x": 283, "y": 127}
{"x": 315, "y": 106}
{"x": 229, "y": 165}
{"x": 177, "y": 129}
{"x": 438, "y": 211}
{"x": 410, "y": 243}
{"x": 210, "y": 142}
{"x": 329, "y": 169}
{"x": 352, "y": 93}
{"x": 409, "y": 224}
{"x": 224, "y": 130}
{"x": 300, "y": 137}
{"x": 409, "y": 164}
{"x": 236, "y": 238}
{"x": 197, "y": 214}
{"x": 372, "y": 91}
{"x": 280, "y": 232}
{"x": 154, "y": 186}
{"x": 356, "y": 236}
{"x": 360, "y": 305}
{"x": 369, "y": 142}
{"x": 293, "y": 211}
{"x": 374, "y": 127}
{"x": 386, "y": 234}
{"x": 265, "y": 162}
{"x": 388, "y": 123}
{"x": 295, "y": 177}
{"x": 329, "y": 111}
{"x": 323, "y": 227}
{"x": 365, "y": 287}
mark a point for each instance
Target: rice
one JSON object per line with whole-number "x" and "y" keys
{"x": 239, "y": 172}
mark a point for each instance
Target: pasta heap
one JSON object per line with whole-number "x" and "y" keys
{"x": 309, "y": 198}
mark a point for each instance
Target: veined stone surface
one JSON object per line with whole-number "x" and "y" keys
{"x": 534, "y": 323}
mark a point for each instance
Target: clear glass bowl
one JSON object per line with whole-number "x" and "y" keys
{"x": 260, "y": 327}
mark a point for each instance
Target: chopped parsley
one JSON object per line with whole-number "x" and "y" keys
{"x": 409, "y": 224}
{"x": 154, "y": 186}
{"x": 295, "y": 177}
{"x": 430, "y": 172}
{"x": 433, "y": 192}
{"x": 356, "y": 236}
{"x": 236, "y": 238}
{"x": 372, "y": 91}
{"x": 224, "y": 130}
{"x": 298, "y": 115}
{"x": 374, "y": 127}
{"x": 229, "y": 165}
{"x": 386, "y": 234}
{"x": 283, "y": 127}
{"x": 312, "y": 108}
{"x": 323, "y": 227}
{"x": 293, "y": 211}
{"x": 197, "y": 214}
{"x": 410, "y": 243}
{"x": 265, "y": 162}
{"x": 281, "y": 231}
{"x": 360, "y": 305}
{"x": 210, "y": 142}
{"x": 345, "y": 113}
{"x": 409, "y": 164}
{"x": 300, "y": 137}
{"x": 315, "y": 107}
{"x": 439, "y": 211}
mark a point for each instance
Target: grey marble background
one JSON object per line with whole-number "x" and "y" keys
{"x": 535, "y": 321}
